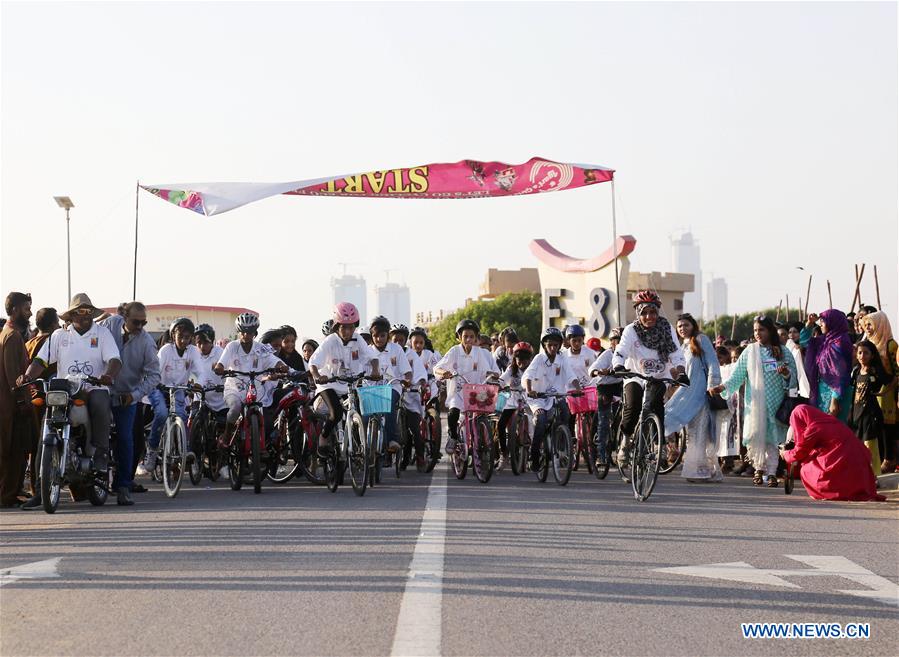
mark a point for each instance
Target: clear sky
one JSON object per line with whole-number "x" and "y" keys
{"x": 769, "y": 129}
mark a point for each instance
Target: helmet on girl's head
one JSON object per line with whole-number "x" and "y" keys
{"x": 594, "y": 344}
{"x": 467, "y": 324}
{"x": 206, "y": 330}
{"x": 575, "y": 331}
{"x": 183, "y": 323}
{"x": 327, "y": 327}
{"x": 400, "y": 328}
{"x": 380, "y": 323}
{"x": 346, "y": 313}
{"x": 647, "y": 296}
{"x": 247, "y": 323}
{"x": 522, "y": 348}
{"x": 551, "y": 333}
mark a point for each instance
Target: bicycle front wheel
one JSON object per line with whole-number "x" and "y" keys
{"x": 255, "y": 451}
{"x": 483, "y": 450}
{"x": 357, "y": 456}
{"x": 174, "y": 456}
{"x": 460, "y": 454}
{"x": 289, "y": 455}
{"x": 562, "y": 457}
{"x": 646, "y": 456}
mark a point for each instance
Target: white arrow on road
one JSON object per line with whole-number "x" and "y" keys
{"x": 881, "y": 589}
{"x": 34, "y": 570}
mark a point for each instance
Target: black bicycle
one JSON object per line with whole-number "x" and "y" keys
{"x": 556, "y": 447}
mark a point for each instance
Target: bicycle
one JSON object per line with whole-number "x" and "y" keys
{"x": 375, "y": 403}
{"x": 644, "y": 451}
{"x": 583, "y": 408}
{"x": 429, "y": 428}
{"x": 518, "y": 433}
{"x": 352, "y": 442}
{"x": 247, "y": 451}
{"x": 289, "y": 451}
{"x": 174, "y": 443}
{"x": 475, "y": 439}
{"x": 204, "y": 425}
{"x": 556, "y": 446}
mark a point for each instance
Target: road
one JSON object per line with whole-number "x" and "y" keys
{"x": 513, "y": 567}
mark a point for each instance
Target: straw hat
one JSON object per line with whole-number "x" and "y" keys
{"x": 80, "y": 300}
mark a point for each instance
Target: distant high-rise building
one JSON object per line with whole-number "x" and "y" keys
{"x": 350, "y": 288}
{"x": 393, "y": 303}
{"x": 715, "y": 298}
{"x": 685, "y": 260}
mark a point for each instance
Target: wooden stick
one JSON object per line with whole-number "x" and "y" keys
{"x": 858, "y": 283}
{"x": 808, "y": 294}
{"x": 788, "y": 308}
{"x": 777, "y": 314}
{"x": 829, "y": 295}
{"x": 733, "y": 327}
{"x": 877, "y": 287}
{"x": 799, "y": 310}
{"x": 855, "y": 296}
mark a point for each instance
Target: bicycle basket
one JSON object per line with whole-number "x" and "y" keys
{"x": 585, "y": 404}
{"x": 375, "y": 399}
{"x": 479, "y": 397}
{"x": 501, "y": 400}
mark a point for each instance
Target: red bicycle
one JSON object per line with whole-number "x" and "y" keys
{"x": 583, "y": 409}
{"x": 297, "y": 428}
{"x": 429, "y": 428}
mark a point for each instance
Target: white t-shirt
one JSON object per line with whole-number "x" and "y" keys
{"x": 393, "y": 364}
{"x": 603, "y": 362}
{"x": 637, "y": 357}
{"x": 334, "y": 358}
{"x": 419, "y": 374}
{"x": 548, "y": 376}
{"x": 514, "y": 381}
{"x": 580, "y": 362}
{"x": 260, "y": 357}
{"x": 175, "y": 370}
{"x": 206, "y": 377}
{"x": 474, "y": 366}
{"x": 429, "y": 360}
{"x": 74, "y": 354}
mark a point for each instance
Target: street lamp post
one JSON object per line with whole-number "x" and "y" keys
{"x": 66, "y": 203}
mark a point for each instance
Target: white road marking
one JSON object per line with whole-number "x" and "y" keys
{"x": 34, "y": 570}
{"x": 419, "y": 628}
{"x": 882, "y": 589}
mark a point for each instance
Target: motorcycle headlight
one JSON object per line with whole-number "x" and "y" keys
{"x": 57, "y": 398}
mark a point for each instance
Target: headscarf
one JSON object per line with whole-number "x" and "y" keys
{"x": 829, "y": 357}
{"x": 658, "y": 337}
{"x": 882, "y": 335}
{"x": 807, "y": 422}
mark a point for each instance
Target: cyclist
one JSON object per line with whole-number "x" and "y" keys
{"x": 178, "y": 360}
{"x": 342, "y": 353}
{"x": 508, "y": 338}
{"x": 648, "y": 346}
{"x": 393, "y": 363}
{"x": 247, "y": 355}
{"x": 608, "y": 387}
{"x": 288, "y": 352}
{"x": 399, "y": 334}
{"x": 472, "y": 362}
{"x": 418, "y": 340}
{"x": 521, "y": 355}
{"x": 210, "y": 353}
{"x": 548, "y": 372}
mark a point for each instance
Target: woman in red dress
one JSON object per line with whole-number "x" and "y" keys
{"x": 835, "y": 464}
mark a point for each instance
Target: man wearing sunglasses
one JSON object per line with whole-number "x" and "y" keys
{"x": 138, "y": 377}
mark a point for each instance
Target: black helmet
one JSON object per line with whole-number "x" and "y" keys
{"x": 400, "y": 328}
{"x": 575, "y": 331}
{"x": 207, "y": 330}
{"x": 328, "y": 327}
{"x": 467, "y": 324}
{"x": 184, "y": 323}
{"x": 551, "y": 333}
{"x": 247, "y": 322}
{"x": 380, "y": 322}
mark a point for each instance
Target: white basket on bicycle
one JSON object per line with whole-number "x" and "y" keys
{"x": 479, "y": 397}
{"x": 374, "y": 400}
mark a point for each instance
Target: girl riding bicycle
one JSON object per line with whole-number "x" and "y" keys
{"x": 648, "y": 346}
{"x": 521, "y": 355}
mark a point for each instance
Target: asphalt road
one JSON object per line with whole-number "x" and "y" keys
{"x": 513, "y": 567}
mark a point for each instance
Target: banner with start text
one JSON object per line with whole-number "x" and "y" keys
{"x": 465, "y": 179}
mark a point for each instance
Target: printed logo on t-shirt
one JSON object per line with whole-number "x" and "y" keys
{"x": 95, "y": 342}
{"x": 651, "y": 365}
{"x": 393, "y": 361}
{"x": 474, "y": 368}
{"x": 355, "y": 355}
{"x": 558, "y": 370}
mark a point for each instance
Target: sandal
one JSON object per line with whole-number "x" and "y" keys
{"x": 887, "y": 466}
{"x": 758, "y": 478}
{"x": 772, "y": 481}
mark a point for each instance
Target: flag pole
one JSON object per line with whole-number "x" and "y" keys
{"x": 615, "y": 251}
{"x": 876, "y": 287}
{"x": 136, "y": 216}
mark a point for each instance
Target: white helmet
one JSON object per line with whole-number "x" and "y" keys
{"x": 247, "y": 322}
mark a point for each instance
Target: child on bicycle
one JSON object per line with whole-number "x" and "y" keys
{"x": 548, "y": 372}
{"x": 412, "y": 399}
{"x": 465, "y": 359}
{"x": 580, "y": 357}
{"x": 342, "y": 353}
{"x": 607, "y": 387}
{"x": 178, "y": 360}
{"x": 393, "y": 364}
{"x": 247, "y": 355}
{"x": 521, "y": 355}
{"x": 648, "y": 346}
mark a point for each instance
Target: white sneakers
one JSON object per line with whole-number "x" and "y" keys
{"x": 149, "y": 463}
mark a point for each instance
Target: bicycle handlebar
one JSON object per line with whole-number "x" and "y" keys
{"x": 627, "y": 374}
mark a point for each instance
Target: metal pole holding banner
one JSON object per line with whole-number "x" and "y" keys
{"x": 615, "y": 250}
{"x": 136, "y": 215}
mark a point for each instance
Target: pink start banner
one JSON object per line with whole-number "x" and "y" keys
{"x": 465, "y": 179}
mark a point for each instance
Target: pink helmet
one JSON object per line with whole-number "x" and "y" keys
{"x": 346, "y": 313}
